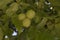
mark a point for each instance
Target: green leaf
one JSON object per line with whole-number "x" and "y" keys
{"x": 12, "y": 9}
{"x": 3, "y": 3}
{"x": 55, "y": 2}
{"x": 57, "y": 29}
{"x": 17, "y": 23}
{"x": 42, "y": 23}
{"x": 1, "y": 34}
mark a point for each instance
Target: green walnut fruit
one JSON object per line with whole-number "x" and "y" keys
{"x": 26, "y": 22}
{"x": 30, "y": 14}
{"x": 21, "y": 16}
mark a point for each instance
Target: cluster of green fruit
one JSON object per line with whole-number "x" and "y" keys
{"x": 38, "y": 18}
{"x": 27, "y": 17}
